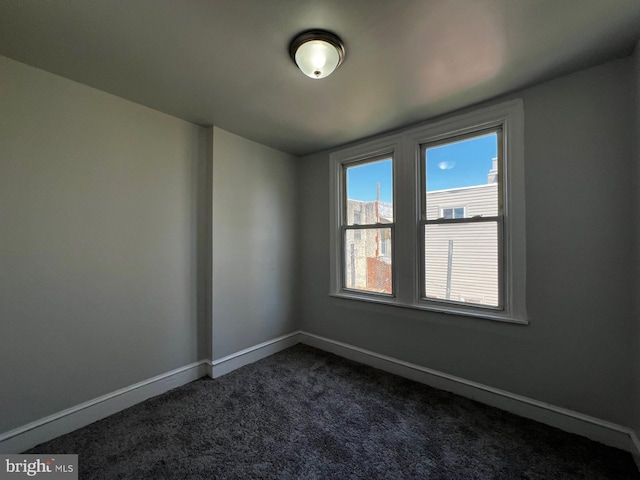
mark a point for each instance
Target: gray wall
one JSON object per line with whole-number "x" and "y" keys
{"x": 99, "y": 254}
{"x": 577, "y": 349}
{"x": 254, "y": 243}
{"x": 110, "y": 228}
{"x": 636, "y": 286}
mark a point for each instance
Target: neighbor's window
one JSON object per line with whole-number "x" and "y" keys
{"x": 462, "y": 252}
{"x": 452, "y": 212}
{"x": 367, "y": 225}
{"x": 357, "y": 219}
{"x": 452, "y": 238}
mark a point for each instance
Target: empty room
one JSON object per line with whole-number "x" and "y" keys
{"x": 320, "y": 239}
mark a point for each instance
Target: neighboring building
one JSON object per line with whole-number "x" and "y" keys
{"x": 462, "y": 259}
{"x": 368, "y": 251}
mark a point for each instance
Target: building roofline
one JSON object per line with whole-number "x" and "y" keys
{"x": 449, "y": 190}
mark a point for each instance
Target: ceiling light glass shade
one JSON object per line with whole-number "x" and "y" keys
{"x": 317, "y": 59}
{"x": 317, "y": 53}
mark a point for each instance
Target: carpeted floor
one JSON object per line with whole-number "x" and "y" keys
{"x": 307, "y": 414}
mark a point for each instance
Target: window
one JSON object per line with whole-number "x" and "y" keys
{"x": 452, "y": 212}
{"x": 368, "y": 204}
{"x": 357, "y": 219}
{"x": 440, "y": 222}
{"x": 462, "y": 253}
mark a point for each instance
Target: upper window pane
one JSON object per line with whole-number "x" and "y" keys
{"x": 370, "y": 192}
{"x": 461, "y": 178}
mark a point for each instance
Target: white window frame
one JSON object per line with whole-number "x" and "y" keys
{"x": 498, "y": 219}
{"x": 405, "y": 148}
{"x": 353, "y": 156}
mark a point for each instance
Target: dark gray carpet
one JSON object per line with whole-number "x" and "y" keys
{"x": 307, "y": 414}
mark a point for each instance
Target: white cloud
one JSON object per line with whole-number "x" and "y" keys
{"x": 447, "y": 165}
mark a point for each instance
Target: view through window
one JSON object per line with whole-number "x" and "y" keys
{"x": 368, "y": 226}
{"x": 462, "y": 220}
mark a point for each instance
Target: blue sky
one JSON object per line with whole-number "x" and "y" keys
{"x": 362, "y": 180}
{"x": 461, "y": 164}
{"x": 458, "y": 164}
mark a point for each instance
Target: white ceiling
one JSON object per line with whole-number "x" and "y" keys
{"x": 226, "y": 62}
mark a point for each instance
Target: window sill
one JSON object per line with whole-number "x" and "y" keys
{"x": 449, "y": 310}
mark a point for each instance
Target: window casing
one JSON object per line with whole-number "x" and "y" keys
{"x": 410, "y": 222}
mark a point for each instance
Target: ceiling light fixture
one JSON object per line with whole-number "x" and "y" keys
{"x": 317, "y": 53}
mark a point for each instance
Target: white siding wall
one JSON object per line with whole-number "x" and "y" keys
{"x": 473, "y": 276}
{"x": 477, "y": 200}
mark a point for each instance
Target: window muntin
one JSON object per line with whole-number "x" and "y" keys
{"x": 462, "y": 257}
{"x": 367, "y": 263}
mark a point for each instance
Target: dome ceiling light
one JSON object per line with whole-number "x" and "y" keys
{"x": 317, "y": 53}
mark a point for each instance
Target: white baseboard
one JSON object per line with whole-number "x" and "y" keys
{"x": 27, "y": 436}
{"x": 45, "y": 429}
{"x": 635, "y": 448}
{"x": 562, "y": 418}
{"x": 249, "y": 355}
